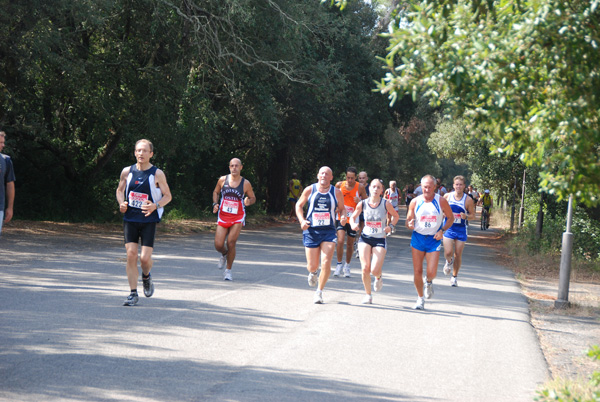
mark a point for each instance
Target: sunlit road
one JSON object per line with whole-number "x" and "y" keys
{"x": 65, "y": 336}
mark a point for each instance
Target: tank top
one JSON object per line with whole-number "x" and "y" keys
{"x": 295, "y": 193}
{"x": 321, "y": 210}
{"x": 375, "y": 219}
{"x": 232, "y": 201}
{"x": 458, "y": 206}
{"x": 428, "y": 215}
{"x": 141, "y": 187}
{"x": 349, "y": 196}
{"x": 394, "y": 198}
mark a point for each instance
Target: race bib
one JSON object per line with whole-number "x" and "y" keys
{"x": 230, "y": 207}
{"x": 349, "y": 211}
{"x": 136, "y": 200}
{"x": 428, "y": 218}
{"x": 457, "y": 218}
{"x": 373, "y": 227}
{"x": 321, "y": 219}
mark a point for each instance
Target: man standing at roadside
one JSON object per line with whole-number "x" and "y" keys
{"x": 353, "y": 192}
{"x": 456, "y": 236}
{"x": 142, "y": 195}
{"x": 425, "y": 217}
{"x": 236, "y": 194}
{"x": 295, "y": 189}
{"x": 319, "y": 227}
{"x": 7, "y": 184}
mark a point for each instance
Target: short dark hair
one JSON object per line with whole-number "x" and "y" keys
{"x": 352, "y": 169}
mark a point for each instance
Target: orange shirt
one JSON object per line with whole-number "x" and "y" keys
{"x": 349, "y": 196}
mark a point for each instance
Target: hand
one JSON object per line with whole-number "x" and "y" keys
{"x": 148, "y": 207}
{"x": 354, "y": 226}
{"x": 438, "y": 235}
{"x": 8, "y": 214}
{"x": 305, "y": 224}
{"x": 357, "y": 199}
{"x": 387, "y": 230}
{"x": 246, "y": 201}
{"x": 123, "y": 207}
{"x": 411, "y": 224}
{"x": 463, "y": 216}
{"x": 215, "y": 208}
{"x": 343, "y": 219}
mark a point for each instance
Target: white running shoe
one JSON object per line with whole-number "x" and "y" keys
{"x": 222, "y": 261}
{"x": 428, "y": 290}
{"x": 347, "y": 271}
{"x": 338, "y": 269}
{"x": 318, "y": 298}
{"x": 368, "y": 299}
{"x": 453, "y": 281}
{"x": 378, "y": 284}
{"x": 420, "y": 305}
{"x": 227, "y": 275}
{"x": 448, "y": 267}
{"x": 313, "y": 279}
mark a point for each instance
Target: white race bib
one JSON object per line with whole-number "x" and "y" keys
{"x": 230, "y": 207}
{"x": 321, "y": 219}
{"x": 349, "y": 211}
{"x": 457, "y": 218}
{"x": 136, "y": 200}
{"x": 372, "y": 228}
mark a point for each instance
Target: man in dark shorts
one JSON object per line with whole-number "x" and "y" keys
{"x": 7, "y": 184}
{"x": 142, "y": 195}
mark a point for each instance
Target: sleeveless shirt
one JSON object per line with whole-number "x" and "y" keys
{"x": 375, "y": 219}
{"x": 141, "y": 187}
{"x": 428, "y": 215}
{"x": 321, "y": 210}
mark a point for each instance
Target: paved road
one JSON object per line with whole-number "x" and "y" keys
{"x": 64, "y": 335}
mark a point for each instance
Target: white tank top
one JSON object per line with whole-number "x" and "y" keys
{"x": 428, "y": 215}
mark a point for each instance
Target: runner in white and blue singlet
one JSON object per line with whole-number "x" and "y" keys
{"x": 455, "y": 237}
{"x": 425, "y": 217}
{"x": 372, "y": 245}
{"x": 319, "y": 230}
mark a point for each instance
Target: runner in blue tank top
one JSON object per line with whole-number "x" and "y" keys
{"x": 142, "y": 194}
{"x": 372, "y": 244}
{"x": 319, "y": 230}
{"x": 455, "y": 237}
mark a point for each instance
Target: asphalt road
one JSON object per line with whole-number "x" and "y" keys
{"x": 65, "y": 336}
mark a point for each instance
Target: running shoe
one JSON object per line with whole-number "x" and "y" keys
{"x": 312, "y": 279}
{"x": 454, "y": 281}
{"x": 148, "y": 286}
{"x": 368, "y": 299}
{"x": 378, "y": 284}
{"x": 222, "y": 261}
{"x": 428, "y": 290}
{"x": 338, "y": 269}
{"x": 318, "y": 298}
{"x": 420, "y": 305}
{"x": 448, "y": 267}
{"x": 347, "y": 271}
{"x": 227, "y": 275}
{"x": 131, "y": 300}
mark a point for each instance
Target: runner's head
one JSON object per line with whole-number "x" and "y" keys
{"x": 351, "y": 175}
{"x": 459, "y": 184}
{"x": 325, "y": 175}
{"x": 428, "y": 185}
{"x": 363, "y": 178}
{"x": 376, "y": 187}
{"x": 393, "y": 184}
{"x": 144, "y": 150}
{"x": 235, "y": 166}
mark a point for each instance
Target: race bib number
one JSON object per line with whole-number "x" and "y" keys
{"x": 457, "y": 218}
{"x": 136, "y": 200}
{"x": 321, "y": 219}
{"x": 373, "y": 227}
{"x": 349, "y": 211}
{"x": 428, "y": 220}
{"x": 230, "y": 207}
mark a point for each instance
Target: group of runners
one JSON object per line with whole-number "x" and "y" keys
{"x": 335, "y": 215}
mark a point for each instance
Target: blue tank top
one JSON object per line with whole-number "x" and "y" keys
{"x": 321, "y": 210}
{"x": 141, "y": 186}
{"x": 457, "y": 206}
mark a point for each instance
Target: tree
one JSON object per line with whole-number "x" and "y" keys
{"x": 526, "y": 74}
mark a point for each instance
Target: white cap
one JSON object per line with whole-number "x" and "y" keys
{"x": 487, "y": 191}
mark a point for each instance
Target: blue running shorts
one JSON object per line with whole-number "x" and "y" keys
{"x": 314, "y": 240}
{"x": 456, "y": 234}
{"x": 373, "y": 241}
{"x": 425, "y": 243}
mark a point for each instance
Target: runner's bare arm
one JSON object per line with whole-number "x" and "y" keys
{"x": 362, "y": 193}
{"x": 392, "y": 211}
{"x": 121, "y": 190}
{"x": 300, "y": 208}
{"x": 410, "y": 216}
{"x": 470, "y": 207}
{"x": 216, "y": 193}
{"x": 353, "y": 219}
{"x": 250, "y": 197}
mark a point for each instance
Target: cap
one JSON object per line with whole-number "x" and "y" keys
{"x": 487, "y": 191}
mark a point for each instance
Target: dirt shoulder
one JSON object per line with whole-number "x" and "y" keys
{"x": 565, "y": 335}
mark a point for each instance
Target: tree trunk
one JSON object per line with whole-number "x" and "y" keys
{"x": 540, "y": 219}
{"x": 277, "y": 179}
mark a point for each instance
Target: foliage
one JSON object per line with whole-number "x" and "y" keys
{"x": 524, "y": 73}
{"x": 572, "y": 391}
